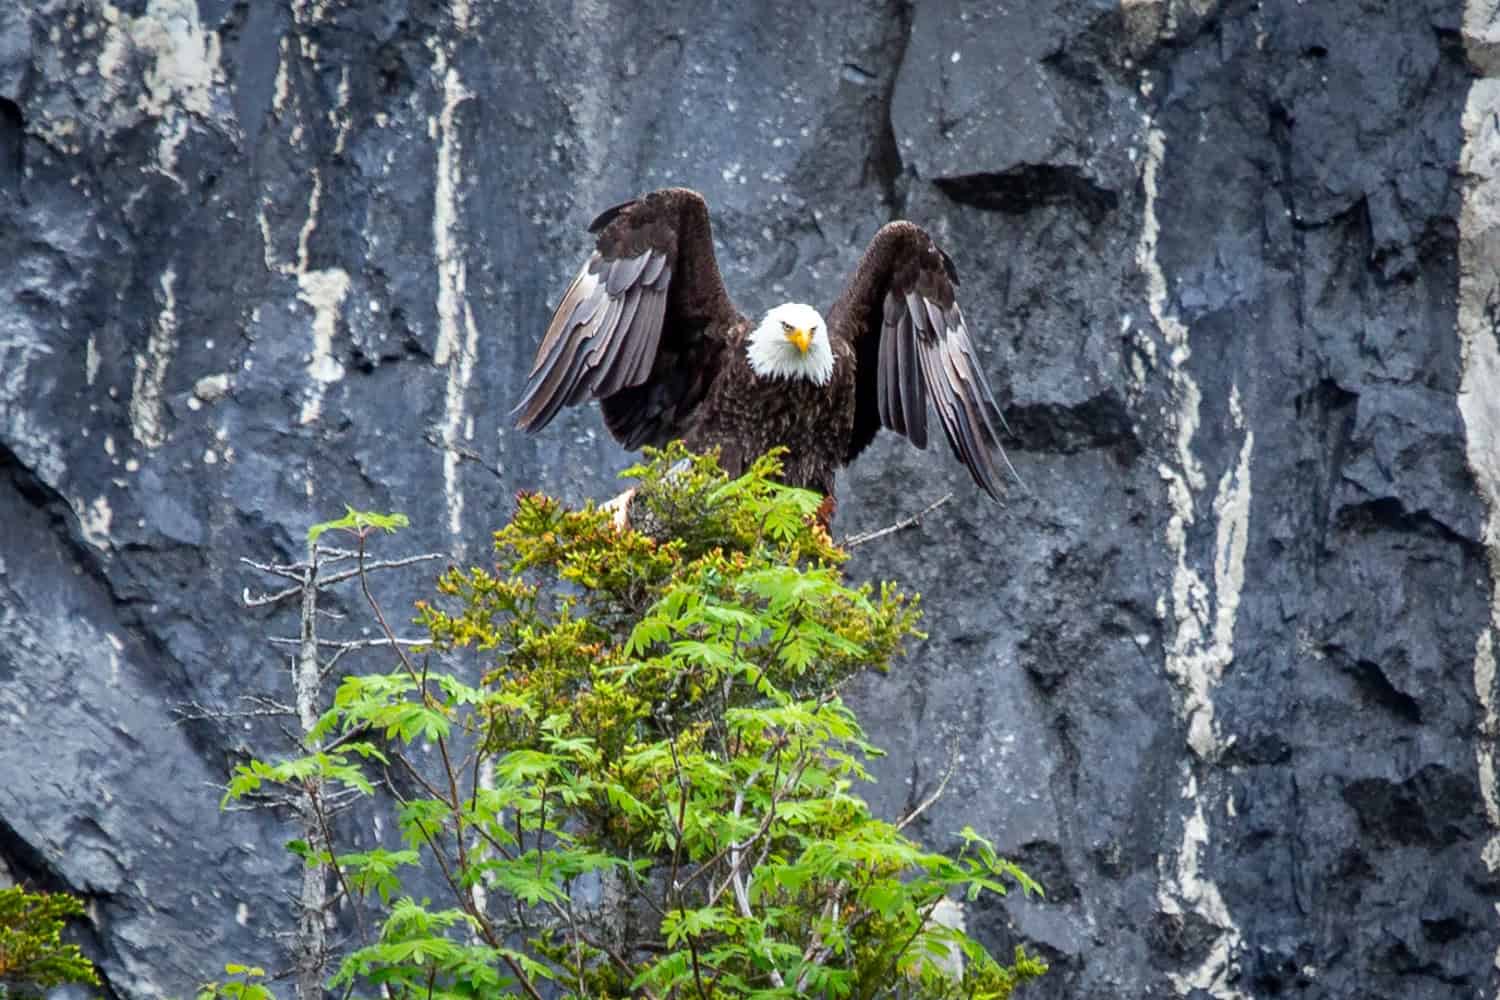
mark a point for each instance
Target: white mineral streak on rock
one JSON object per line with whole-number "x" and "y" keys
{"x": 458, "y": 337}
{"x": 1201, "y": 642}
{"x": 324, "y": 291}
{"x": 310, "y": 224}
{"x": 179, "y": 62}
{"x": 147, "y": 414}
{"x": 212, "y": 388}
{"x": 267, "y": 245}
{"x": 1192, "y": 893}
{"x": 91, "y": 360}
{"x": 462, "y": 15}
{"x": 1479, "y": 385}
{"x": 93, "y": 522}
{"x": 283, "y": 86}
{"x": 452, "y": 309}
{"x": 1481, "y": 31}
{"x": 338, "y": 115}
{"x": 1200, "y": 618}
{"x": 1147, "y": 21}
{"x": 38, "y": 444}
{"x": 182, "y": 69}
{"x": 116, "y": 647}
{"x": 445, "y": 242}
{"x": 1484, "y": 686}
{"x": 1144, "y": 22}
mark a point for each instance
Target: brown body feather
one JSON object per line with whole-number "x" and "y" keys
{"x": 745, "y": 416}
{"x": 647, "y": 328}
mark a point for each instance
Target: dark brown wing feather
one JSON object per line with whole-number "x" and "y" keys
{"x": 641, "y": 326}
{"x": 911, "y": 345}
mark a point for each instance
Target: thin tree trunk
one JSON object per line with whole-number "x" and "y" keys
{"x": 312, "y": 945}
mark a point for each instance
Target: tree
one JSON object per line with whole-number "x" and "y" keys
{"x": 647, "y": 783}
{"x": 314, "y": 804}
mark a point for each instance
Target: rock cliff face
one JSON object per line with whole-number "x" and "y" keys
{"x": 1223, "y": 676}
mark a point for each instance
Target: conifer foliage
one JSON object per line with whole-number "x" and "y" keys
{"x": 33, "y": 956}
{"x": 642, "y": 780}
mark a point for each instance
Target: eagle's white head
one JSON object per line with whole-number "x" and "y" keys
{"x": 791, "y": 342}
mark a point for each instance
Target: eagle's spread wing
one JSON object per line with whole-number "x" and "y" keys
{"x": 900, "y": 312}
{"x": 640, "y": 326}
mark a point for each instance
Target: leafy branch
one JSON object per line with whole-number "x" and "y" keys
{"x": 32, "y": 955}
{"x": 642, "y": 781}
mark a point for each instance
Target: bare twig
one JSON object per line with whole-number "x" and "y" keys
{"x": 417, "y": 776}
{"x": 345, "y": 645}
{"x": 291, "y": 571}
{"x": 250, "y": 801}
{"x": 614, "y": 956}
{"x": 921, "y": 926}
{"x": 817, "y": 951}
{"x": 347, "y": 736}
{"x": 467, "y": 454}
{"x": 937, "y": 792}
{"x": 779, "y": 790}
{"x": 267, "y": 702}
{"x": 485, "y": 929}
{"x": 741, "y": 896}
{"x": 909, "y": 521}
{"x": 338, "y": 870}
{"x": 192, "y": 711}
{"x": 678, "y": 828}
{"x": 257, "y": 601}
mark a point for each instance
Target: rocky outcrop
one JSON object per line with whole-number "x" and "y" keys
{"x": 1222, "y": 675}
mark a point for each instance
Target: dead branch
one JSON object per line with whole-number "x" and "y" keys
{"x": 194, "y": 711}
{"x": 294, "y": 571}
{"x": 910, "y": 521}
{"x": 937, "y": 792}
{"x": 345, "y": 645}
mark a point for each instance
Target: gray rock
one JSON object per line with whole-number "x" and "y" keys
{"x": 1222, "y": 675}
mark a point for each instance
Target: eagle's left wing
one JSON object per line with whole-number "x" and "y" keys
{"x": 911, "y": 344}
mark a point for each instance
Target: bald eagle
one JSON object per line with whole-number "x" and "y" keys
{"x": 647, "y": 329}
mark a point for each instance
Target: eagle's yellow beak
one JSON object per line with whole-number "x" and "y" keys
{"x": 801, "y": 338}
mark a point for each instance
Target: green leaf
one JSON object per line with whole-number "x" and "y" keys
{"x": 679, "y": 925}
{"x": 647, "y": 633}
{"x": 359, "y": 522}
{"x": 235, "y": 969}
{"x": 885, "y": 898}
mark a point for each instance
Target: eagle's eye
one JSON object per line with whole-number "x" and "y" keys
{"x": 786, "y": 327}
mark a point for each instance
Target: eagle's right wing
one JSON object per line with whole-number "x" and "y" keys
{"x": 640, "y": 328}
